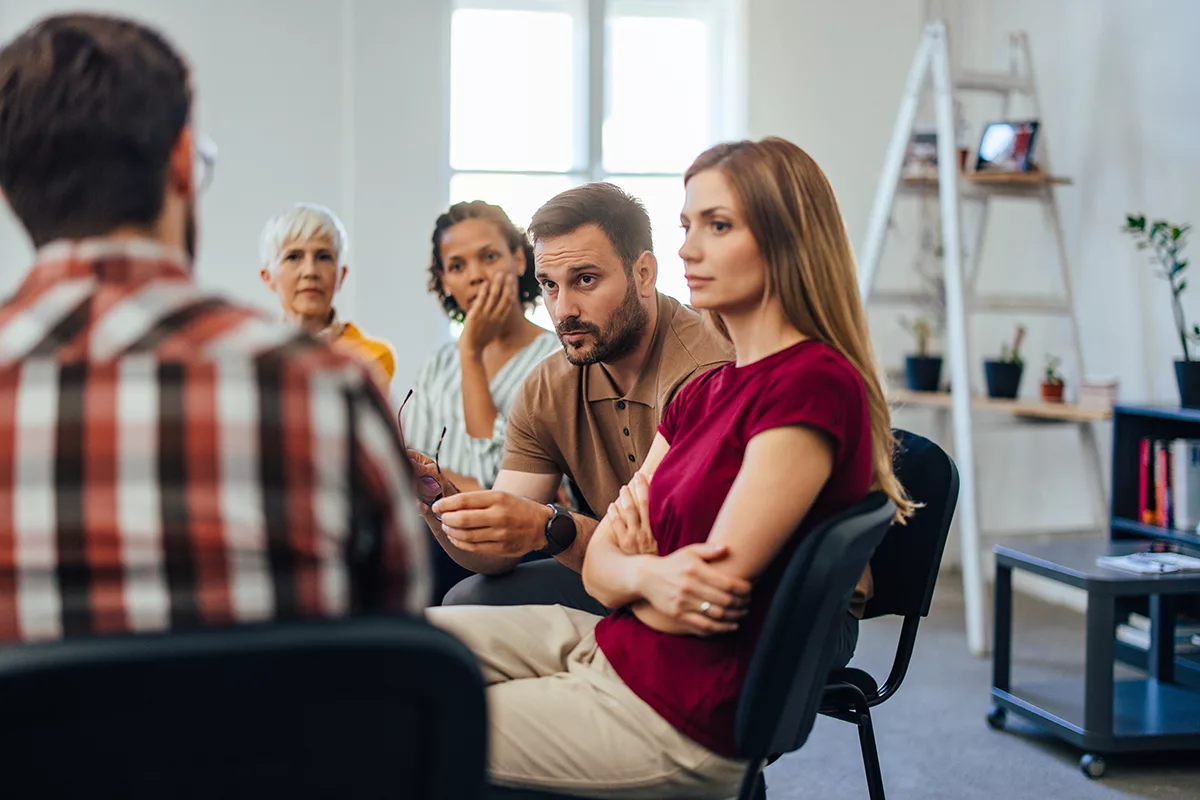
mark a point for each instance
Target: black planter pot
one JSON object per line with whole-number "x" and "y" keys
{"x": 924, "y": 372}
{"x": 1187, "y": 375}
{"x": 1003, "y": 378}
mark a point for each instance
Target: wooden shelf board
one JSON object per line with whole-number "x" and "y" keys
{"x": 1026, "y": 178}
{"x": 1034, "y": 304}
{"x": 996, "y": 180}
{"x": 1064, "y": 412}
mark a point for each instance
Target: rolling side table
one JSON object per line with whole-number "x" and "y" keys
{"x": 1100, "y": 716}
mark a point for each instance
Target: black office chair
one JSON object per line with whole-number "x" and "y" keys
{"x": 905, "y": 569}
{"x": 364, "y": 708}
{"x": 787, "y": 676}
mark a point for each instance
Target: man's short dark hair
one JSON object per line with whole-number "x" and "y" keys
{"x": 90, "y": 107}
{"x": 619, "y": 214}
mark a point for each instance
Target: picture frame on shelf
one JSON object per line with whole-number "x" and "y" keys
{"x": 921, "y": 159}
{"x": 1007, "y": 147}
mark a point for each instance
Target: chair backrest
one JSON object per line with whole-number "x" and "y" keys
{"x": 786, "y": 680}
{"x": 905, "y": 567}
{"x": 363, "y": 708}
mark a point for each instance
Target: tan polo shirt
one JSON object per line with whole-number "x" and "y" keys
{"x": 574, "y": 421}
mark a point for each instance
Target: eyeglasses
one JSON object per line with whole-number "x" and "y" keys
{"x": 400, "y": 419}
{"x": 204, "y": 161}
{"x": 437, "y": 453}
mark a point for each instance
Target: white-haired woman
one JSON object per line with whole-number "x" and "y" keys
{"x": 303, "y": 252}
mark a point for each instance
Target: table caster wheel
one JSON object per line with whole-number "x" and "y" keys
{"x": 996, "y": 717}
{"x": 1093, "y": 766}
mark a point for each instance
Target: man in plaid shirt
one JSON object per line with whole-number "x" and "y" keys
{"x": 168, "y": 460}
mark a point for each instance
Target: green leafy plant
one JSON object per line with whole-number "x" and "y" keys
{"x": 1167, "y": 240}
{"x": 922, "y": 330}
{"x": 1052, "y": 374}
{"x": 1011, "y": 353}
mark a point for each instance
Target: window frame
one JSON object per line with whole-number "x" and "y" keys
{"x": 728, "y": 115}
{"x": 728, "y": 86}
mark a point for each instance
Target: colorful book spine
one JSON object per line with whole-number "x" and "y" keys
{"x": 1162, "y": 485}
{"x": 1169, "y": 484}
{"x": 1146, "y": 499}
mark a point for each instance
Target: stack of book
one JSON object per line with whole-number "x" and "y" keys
{"x": 1136, "y": 633}
{"x": 1169, "y": 484}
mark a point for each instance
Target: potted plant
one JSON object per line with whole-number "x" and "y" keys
{"x": 1052, "y": 381}
{"x": 1003, "y": 374}
{"x": 924, "y": 371}
{"x": 1167, "y": 241}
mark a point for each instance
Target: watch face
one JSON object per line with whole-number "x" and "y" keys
{"x": 562, "y": 528}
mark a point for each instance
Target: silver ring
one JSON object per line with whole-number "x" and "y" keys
{"x": 704, "y": 607}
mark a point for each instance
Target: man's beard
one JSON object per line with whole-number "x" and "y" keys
{"x": 619, "y": 338}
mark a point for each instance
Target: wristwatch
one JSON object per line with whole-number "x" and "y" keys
{"x": 560, "y": 530}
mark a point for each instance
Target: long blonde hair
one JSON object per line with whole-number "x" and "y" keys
{"x": 793, "y": 214}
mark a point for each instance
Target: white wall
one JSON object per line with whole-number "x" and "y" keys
{"x": 1121, "y": 107}
{"x": 1119, "y": 111}
{"x": 829, "y": 77}
{"x": 334, "y": 101}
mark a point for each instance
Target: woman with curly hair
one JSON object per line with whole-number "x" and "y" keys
{"x": 482, "y": 271}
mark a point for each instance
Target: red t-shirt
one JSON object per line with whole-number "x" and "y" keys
{"x": 694, "y": 682}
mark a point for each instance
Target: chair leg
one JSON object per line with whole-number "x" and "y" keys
{"x": 754, "y": 784}
{"x": 866, "y": 737}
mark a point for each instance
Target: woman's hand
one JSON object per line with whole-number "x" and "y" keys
{"x": 488, "y": 314}
{"x": 685, "y": 587}
{"x": 629, "y": 518}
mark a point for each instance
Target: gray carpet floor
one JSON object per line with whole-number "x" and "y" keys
{"x": 934, "y": 741}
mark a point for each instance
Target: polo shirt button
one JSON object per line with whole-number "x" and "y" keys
{"x": 631, "y": 458}
{"x": 620, "y": 405}
{"x": 627, "y": 431}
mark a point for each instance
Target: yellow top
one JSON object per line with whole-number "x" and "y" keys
{"x": 378, "y": 353}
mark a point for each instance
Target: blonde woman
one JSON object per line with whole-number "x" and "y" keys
{"x": 303, "y": 255}
{"x": 749, "y": 457}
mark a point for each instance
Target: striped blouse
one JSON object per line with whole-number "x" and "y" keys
{"x": 437, "y": 402}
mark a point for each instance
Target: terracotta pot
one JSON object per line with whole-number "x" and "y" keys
{"x": 1052, "y": 392}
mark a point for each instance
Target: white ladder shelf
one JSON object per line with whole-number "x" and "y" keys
{"x": 932, "y": 62}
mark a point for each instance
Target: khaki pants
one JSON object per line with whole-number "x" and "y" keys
{"x": 561, "y": 719}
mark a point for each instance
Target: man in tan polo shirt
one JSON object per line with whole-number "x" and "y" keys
{"x": 589, "y": 413}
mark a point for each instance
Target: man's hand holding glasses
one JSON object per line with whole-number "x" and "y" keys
{"x": 431, "y": 484}
{"x": 493, "y": 523}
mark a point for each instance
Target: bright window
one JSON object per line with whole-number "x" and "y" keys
{"x": 532, "y": 113}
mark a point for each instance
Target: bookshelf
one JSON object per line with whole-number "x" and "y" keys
{"x": 1130, "y": 425}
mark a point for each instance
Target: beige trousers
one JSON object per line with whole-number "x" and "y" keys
{"x": 560, "y": 718}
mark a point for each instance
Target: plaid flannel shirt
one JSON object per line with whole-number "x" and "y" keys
{"x": 170, "y": 460}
